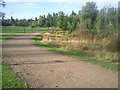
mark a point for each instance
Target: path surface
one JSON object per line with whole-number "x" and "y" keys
{"x": 41, "y": 68}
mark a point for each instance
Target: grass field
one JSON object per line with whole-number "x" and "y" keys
{"x": 18, "y": 29}
{"x": 73, "y": 54}
{"x": 9, "y": 32}
{"x": 9, "y": 79}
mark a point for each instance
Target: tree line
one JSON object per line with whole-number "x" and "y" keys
{"x": 89, "y": 17}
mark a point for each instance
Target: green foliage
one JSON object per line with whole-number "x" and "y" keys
{"x": 101, "y": 20}
{"x": 94, "y": 20}
{"x": 69, "y": 27}
{"x": 107, "y": 19}
{"x": 40, "y": 21}
{"x": 64, "y": 23}
{"x": 89, "y": 14}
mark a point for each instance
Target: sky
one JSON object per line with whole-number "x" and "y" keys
{"x": 34, "y": 8}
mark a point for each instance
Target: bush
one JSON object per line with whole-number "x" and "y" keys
{"x": 114, "y": 44}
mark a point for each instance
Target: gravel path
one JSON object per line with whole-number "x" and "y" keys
{"x": 41, "y": 68}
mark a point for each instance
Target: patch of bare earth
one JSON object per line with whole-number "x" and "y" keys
{"x": 41, "y": 68}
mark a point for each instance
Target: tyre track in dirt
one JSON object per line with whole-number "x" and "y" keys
{"x": 41, "y": 68}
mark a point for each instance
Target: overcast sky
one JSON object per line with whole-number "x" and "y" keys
{"x": 33, "y": 8}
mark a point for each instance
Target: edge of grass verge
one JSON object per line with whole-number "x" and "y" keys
{"x": 10, "y": 79}
{"x": 36, "y": 41}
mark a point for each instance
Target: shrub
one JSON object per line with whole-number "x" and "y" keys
{"x": 114, "y": 44}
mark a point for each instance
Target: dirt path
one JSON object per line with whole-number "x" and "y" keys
{"x": 41, "y": 68}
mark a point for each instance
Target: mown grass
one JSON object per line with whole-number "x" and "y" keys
{"x": 7, "y": 36}
{"x": 18, "y": 29}
{"x": 10, "y": 80}
{"x": 36, "y": 41}
{"x": 9, "y": 32}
